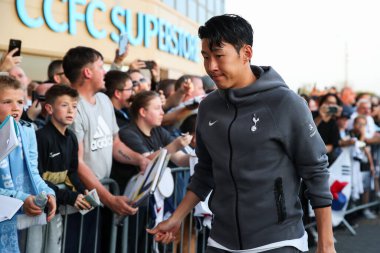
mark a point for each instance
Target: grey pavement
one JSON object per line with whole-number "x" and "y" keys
{"x": 366, "y": 240}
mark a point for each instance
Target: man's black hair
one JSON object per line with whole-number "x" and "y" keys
{"x": 115, "y": 80}
{"x": 228, "y": 28}
{"x": 76, "y": 58}
{"x": 53, "y": 68}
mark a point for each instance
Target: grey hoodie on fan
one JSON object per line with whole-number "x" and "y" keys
{"x": 254, "y": 144}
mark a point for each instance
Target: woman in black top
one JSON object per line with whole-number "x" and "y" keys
{"x": 329, "y": 109}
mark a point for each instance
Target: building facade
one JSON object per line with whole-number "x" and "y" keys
{"x": 164, "y": 31}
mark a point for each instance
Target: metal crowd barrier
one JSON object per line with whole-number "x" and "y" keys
{"x": 353, "y": 209}
{"x": 114, "y": 189}
{"x": 191, "y": 240}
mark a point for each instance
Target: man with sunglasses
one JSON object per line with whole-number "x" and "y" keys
{"x": 56, "y": 74}
{"x": 139, "y": 81}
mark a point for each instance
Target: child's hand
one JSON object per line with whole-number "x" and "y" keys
{"x": 52, "y": 207}
{"x": 81, "y": 203}
{"x": 30, "y": 208}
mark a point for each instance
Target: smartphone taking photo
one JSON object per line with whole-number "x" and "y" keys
{"x": 13, "y": 43}
{"x": 123, "y": 42}
{"x": 149, "y": 64}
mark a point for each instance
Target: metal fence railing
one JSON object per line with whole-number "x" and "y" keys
{"x": 114, "y": 189}
{"x": 131, "y": 236}
{"x": 190, "y": 238}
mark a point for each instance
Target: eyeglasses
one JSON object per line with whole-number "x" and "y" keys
{"x": 127, "y": 89}
{"x": 137, "y": 82}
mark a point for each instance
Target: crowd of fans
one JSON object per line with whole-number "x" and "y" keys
{"x": 346, "y": 119}
{"x": 92, "y": 125}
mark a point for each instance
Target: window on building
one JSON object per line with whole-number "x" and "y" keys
{"x": 219, "y": 7}
{"x": 181, "y": 6}
{"x": 192, "y": 10}
{"x": 169, "y": 2}
{"x": 201, "y": 14}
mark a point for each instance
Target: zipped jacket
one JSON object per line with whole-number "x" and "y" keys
{"x": 254, "y": 145}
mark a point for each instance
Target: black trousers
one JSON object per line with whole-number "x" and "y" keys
{"x": 279, "y": 250}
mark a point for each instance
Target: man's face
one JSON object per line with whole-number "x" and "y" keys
{"x": 11, "y": 103}
{"x": 126, "y": 93}
{"x": 224, "y": 64}
{"x": 59, "y": 76}
{"x": 97, "y": 74}
{"x": 198, "y": 87}
{"x": 139, "y": 82}
{"x": 19, "y": 74}
{"x": 364, "y": 109}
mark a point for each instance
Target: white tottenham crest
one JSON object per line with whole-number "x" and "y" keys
{"x": 255, "y": 120}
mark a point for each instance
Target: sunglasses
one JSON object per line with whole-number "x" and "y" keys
{"x": 137, "y": 82}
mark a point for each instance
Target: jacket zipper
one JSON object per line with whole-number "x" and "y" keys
{"x": 233, "y": 179}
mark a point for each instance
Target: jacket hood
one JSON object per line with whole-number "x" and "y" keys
{"x": 267, "y": 79}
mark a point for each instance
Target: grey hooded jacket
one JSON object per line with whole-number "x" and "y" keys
{"x": 254, "y": 144}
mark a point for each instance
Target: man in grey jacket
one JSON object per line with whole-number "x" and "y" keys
{"x": 256, "y": 139}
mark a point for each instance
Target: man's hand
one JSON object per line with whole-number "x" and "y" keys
{"x": 187, "y": 86}
{"x": 34, "y": 110}
{"x": 155, "y": 72}
{"x": 119, "y": 59}
{"x": 165, "y": 231}
{"x": 143, "y": 163}
{"x": 119, "y": 204}
{"x": 8, "y": 61}
{"x": 137, "y": 64}
{"x": 52, "y": 207}
{"x": 30, "y": 208}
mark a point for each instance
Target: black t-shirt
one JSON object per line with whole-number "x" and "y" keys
{"x": 140, "y": 143}
{"x": 329, "y": 132}
{"x": 58, "y": 162}
{"x": 123, "y": 117}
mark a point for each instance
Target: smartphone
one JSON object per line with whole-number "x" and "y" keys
{"x": 34, "y": 96}
{"x": 332, "y": 109}
{"x": 149, "y": 64}
{"x": 123, "y": 41}
{"x": 40, "y": 98}
{"x": 15, "y": 44}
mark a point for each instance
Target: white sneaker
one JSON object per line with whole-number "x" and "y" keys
{"x": 369, "y": 215}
